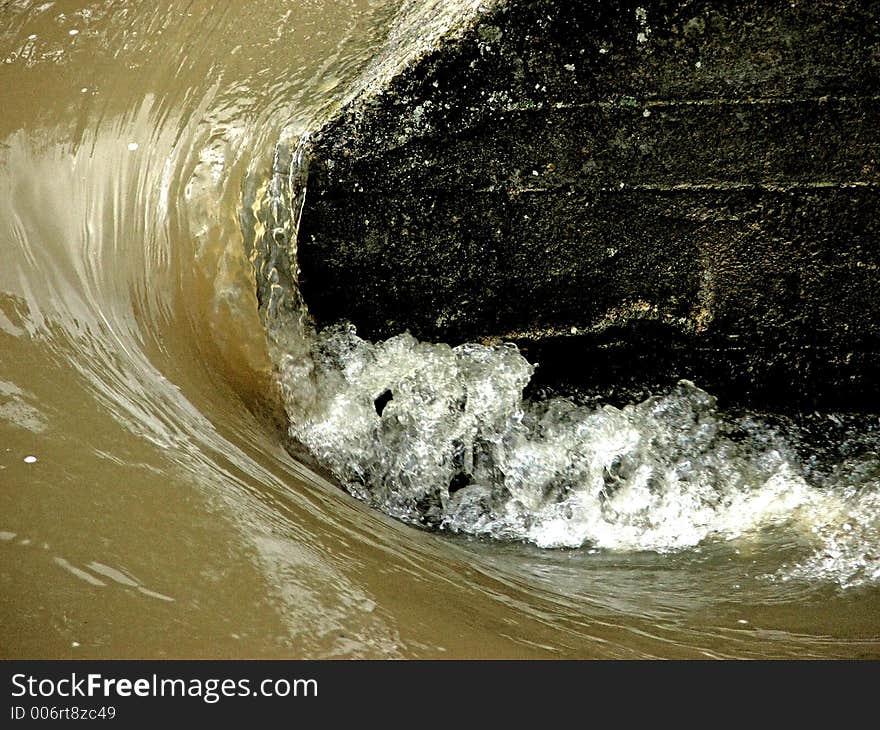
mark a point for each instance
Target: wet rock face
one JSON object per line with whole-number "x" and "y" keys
{"x": 633, "y": 192}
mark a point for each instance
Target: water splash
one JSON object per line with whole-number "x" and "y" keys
{"x": 441, "y": 436}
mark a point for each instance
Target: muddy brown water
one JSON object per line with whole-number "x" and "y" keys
{"x": 147, "y": 505}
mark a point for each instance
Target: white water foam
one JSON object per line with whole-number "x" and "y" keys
{"x": 442, "y": 436}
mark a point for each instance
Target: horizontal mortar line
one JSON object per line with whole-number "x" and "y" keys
{"x": 620, "y": 187}
{"x": 708, "y": 101}
{"x": 776, "y": 185}
{"x": 806, "y": 185}
{"x": 763, "y": 100}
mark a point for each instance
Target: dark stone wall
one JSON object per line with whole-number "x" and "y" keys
{"x": 632, "y": 191}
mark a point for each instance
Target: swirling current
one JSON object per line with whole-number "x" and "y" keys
{"x": 177, "y": 479}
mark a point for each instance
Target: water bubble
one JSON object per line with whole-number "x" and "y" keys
{"x": 442, "y": 436}
{"x": 457, "y": 446}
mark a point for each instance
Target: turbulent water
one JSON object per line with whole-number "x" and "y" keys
{"x": 170, "y": 476}
{"x": 442, "y": 436}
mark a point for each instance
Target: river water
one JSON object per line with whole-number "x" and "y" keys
{"x": 155, "y": 501}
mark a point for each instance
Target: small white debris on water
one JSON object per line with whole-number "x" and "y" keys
{"x": 74, "y": 644}
{"x": 32, "y": 37}
{"x": 569, "y": 67}
{"x": 132, "y": 146}
{"x": 30, "y": 459}
{"x": 699, "y": 64}
{"x": 84, "y": 89}
{"x": 742, "y": 621}
{"x": 646, "y": 113}
{"x": 73, "y": 31}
